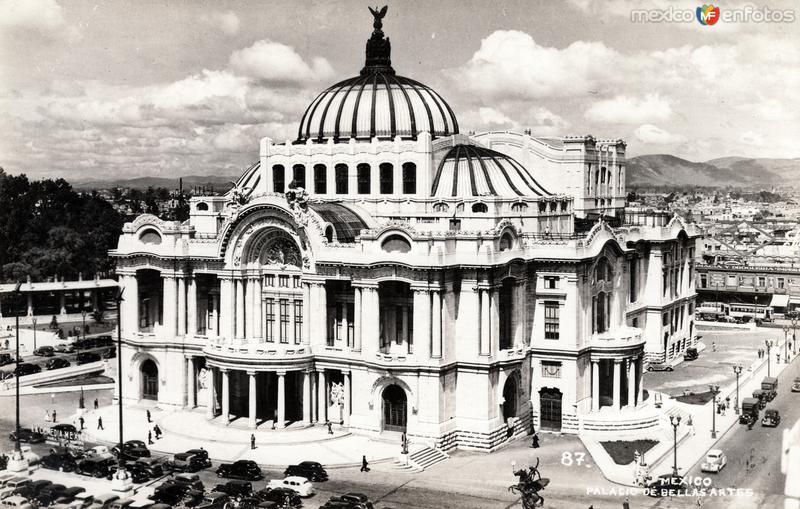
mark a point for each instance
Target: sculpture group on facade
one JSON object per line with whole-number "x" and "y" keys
{"x": 529, "y": 485}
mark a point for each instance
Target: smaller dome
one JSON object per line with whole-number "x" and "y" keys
{"x": 470, "y": 170}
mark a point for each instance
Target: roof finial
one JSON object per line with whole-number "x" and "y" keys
{"x": 379, "y": 49}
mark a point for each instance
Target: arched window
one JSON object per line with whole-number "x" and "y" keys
{"x": 480, "y": 208}
{"x": 387, "y": 178}
{"x": 202, "y": 206}
{"x": 440, "y": 207}
{"x": 150, "y": 236}
{"x": 363, "y": 176}
{"x": 320, "y": 179}
{"x": 519, "y": 207}
{"x": 329, "y": 233}
{"x": 396, "y": 244}
{"x": 278, "y": 178}
{"x": 601, "y": 304}
{"x": 506, "y": 242}
{"x": 299, "y": 175}
{"x": 409, "y": 178}
{"x": 460, "y": 207}
{"x": 542, "y": 207}
{"x": 563, "y": 206}
{"x": 507, "y": 306}
{"x": 342, "y": 180}
{"x": 603, "y": 271}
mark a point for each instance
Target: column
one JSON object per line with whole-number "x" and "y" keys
{"x": 258, "y": 310}
{"x": 617, "y": 373}
{"x": 322, "y": 398}
{"x": 216, "y": 318}
{"x": 422, "y": 323}
{"x": 494, "y": 320}
{"x": 281, "y": 399}
{"x": 95, "y": 303}
{"x": 239, "y": 305}
{"x": 170, "y": 305}
{"x": 595, "y": 386}
{"x": 226, "y": 316}
{"x": 30, "y": 304}
{"x": 314, "y": 398}
{"x": 485, "y": 324}
{"x": 212, "y": 387}
{"x": 249, "y": 304}
{"x": 404, "y": 319}
{"x": 191, "y": 378}
{"x": 307, "y": 397}
{"x": 370, "y": 319}
{"x": 640, "y": 379}
{"x": 346, "y": 413}
{"x": 632, "y": 382}
{"x": 306, "y": 312}
{"x": 226, "y": 393}
{"x": 357, "y": 319}
{"x": 191, "y": 307}
{"x": 519, "y": 313}
{"x": 251, "y": 416}
{"x": 436, "y": 325}
{"x": 62, "y": 299}
{"x": 181, "y": 306}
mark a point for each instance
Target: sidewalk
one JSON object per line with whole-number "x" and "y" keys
{"x": 185, "y": 430}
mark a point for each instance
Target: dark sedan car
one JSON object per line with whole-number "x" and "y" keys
{"x": 241, "y": 469}
{"x": 86, "y": 358}
{"x": 110, "y": 353}
{"x": 32, "y": 489}
{"x": 170, "y": 494}
{"x": 57, "y": 363}
{"x": 235, "y": 488}
{"x": 69, "y": 494}
{"x": 98, "y": 467}
{"x": 49, "y": 495}
{"x": 27, "y": 369}
{"x": 132, "y": 450}
{"x": 44, "y": 351}
{"x": 27, "y": 435}
{"x": 5, "y": 358}
{"x": 59, "y": 461}
{"x": 284, "y": 497}
{"x": 311, "y": 470}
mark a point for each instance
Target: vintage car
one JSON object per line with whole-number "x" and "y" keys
{"x": 241, "y": 469}
{"x": 714, "y": 462}
{"x": 299, "y": 485}
{"x": 192, "y": 460}
{"x": 796, "y": 384}
{"x": 658, "y": 366}
{"x": 690, "y": 354}
{"x": 771, "y": 418}
{"x": 770, "y": 387}
{"x": 761, "y": 396}
{"x": 311, "y": 470}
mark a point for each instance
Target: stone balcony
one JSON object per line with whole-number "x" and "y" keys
{"x": 256, "y": 350}
{"x": 618, "y": 338}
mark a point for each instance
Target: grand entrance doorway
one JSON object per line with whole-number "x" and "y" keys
{"x": 550, "y": 404}
{"x": 394, "y": 408}
{"x": 510, "y": 398}
{"x": 149, "y": 377}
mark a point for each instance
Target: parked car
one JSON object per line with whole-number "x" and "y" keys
{"x": 132, "y": 450}
{"x": 666, "y": 485}
{"x": 49, "y": 495}
{"x": 214, "y": 500}
{"x": 11, "y": 485}
{"x": 6, "y": 358}
{"x": 57, "y": 363}
{"x": 690, "y": 354}
{"x": 69, "y": 494}
{"x": 357, "y": 499}
{"x": 169, "y": 493}
{"x": 86, "y": 358}
{"x": 60, "y": 462}
{"x": 715, "y": 461}
{"x": 27, "y": 435}
{"x": 104, "y": 340}
{"x": 122, "y": 503}
{"x": 796, "y": 384}
{"x": 97, "y": 467}
{"x": 64, "y": 348}
{"x": 771, "y": 418}
{"x": 153, "y": 466}
{"x": 104, "y": 500}
{"x": 311, "y": 470}
{"x": 44, "y": 351}
{"x": 192, "y": 460}
{"x": 27, "y": 368}
{"x": 235, "y": 488}
{"x": 98, "y": 451}
{"x": 137, "y": 472}
{"x": 281, "y": 496}
{"x": 241, "y": 469}
{"x": 191, "y": 480}
{"x": 82, "y": 499}
{"x": 110, "y": 353}
{"x": 294, "y": 483}
{"x": 657, "y": 366}
{"x": 15, "y": 502}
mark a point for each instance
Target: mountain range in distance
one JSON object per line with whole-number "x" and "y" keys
{"x": 671, "y": 171}
{"x": 661, "y": 170}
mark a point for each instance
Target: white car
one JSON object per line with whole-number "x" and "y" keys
{"x": 11, "y": 485}
{"x": 715, "y": 461}
{"x": 299, "y": 485}
{"x": 98, "y": 451}
{"x": 15, "y": 502}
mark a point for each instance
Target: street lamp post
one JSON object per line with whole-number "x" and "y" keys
{"x": 794, "y": 336}
{"x": 83, "y": 315}
{"x": 33, "y": 320}
{"x": 785, "y": 344}
{"x": 714, "y": 391}
{"x": 768, "y": 343}
{"x": 737, "y": 369}
{"x": 17, "y": 463}
{"x": 675, "y": 421}
{"x": 122, "y": 481}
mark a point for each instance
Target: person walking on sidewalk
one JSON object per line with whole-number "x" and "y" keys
{"x": 157, "y": 431}
{"x": 364, "y": 464}
{"x": 80, "y": 420}
{"x": 149, "y": 438}
{"x": 96, "y": 404}
{"x": 100, "y": 423}
{"x": 54, "y": 415}
{"x": 330, "y": 429}
{"x": 148, "y": 417}
{"x": 252, "y": 441}
{"x": 535, "y": 440}
{"x": 690, "y": 425}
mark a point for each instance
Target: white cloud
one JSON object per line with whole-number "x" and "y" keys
{"x": 227, "y": 22}
{"x": 650, "y": 134}
{"x": 752, "y": 138}
{"x": 200, "y": 88}
{"x": 45, "y": 17}
{"x": 275, "y": 62}
{"x": 630, "y": 110}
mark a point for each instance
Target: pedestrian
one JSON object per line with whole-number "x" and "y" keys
{"x": 46, "y": 416}
{"x": 252, "y": 441}
{"x": 96, "y": 404}
{"x": 54, "y": 415}
{"x": 713, "y": 346}
{"x": 690, "y": 424}
{"x": 157, "y": 431}
{"x": 626, "y": 504}
{"x": 80, "y": 420}
{"x": 364, "y": 464}
{"x": 149, "y": 438}
{"x": 148, "y": 417}
{"x": 777, "y": 359}
{"x": 535, "y": 440}
{"x": 100, "y": 423}
{"x": 330, "y": 430}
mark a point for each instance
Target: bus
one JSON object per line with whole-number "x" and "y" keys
{"x": 737, "y": 312}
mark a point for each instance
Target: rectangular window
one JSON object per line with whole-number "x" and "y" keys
{"x": 387, "y": 178}
{"x": 762, "y": 281}
{"x": 283, "y": 281}
{"x": 551, "y": 282}
{"x": 270, "y": 280}
{"x": 296, "y": 281}
{"x": 409, "y": 178}
{"x": 398, "y": 325}
{"x": 363, "y": 178}
{"x": 551, "y": 320}
{"x": 632, "y": 281}
{"x": 781, "y": 283}
{"x": 351, "y": 331}
{"x": 298, "y": 321}
{"x": 284, "y": 326}
{"x": 341, "y": 179}
{"x": 703, "y": 281}
{"x": 665, "y": 319}
{"x": 635, "y": 322}
{"x": 270, "y": 324}
{"x": 551, "y": 369}
{"x": 278, "y": 178}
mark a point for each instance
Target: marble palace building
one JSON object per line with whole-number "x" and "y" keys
{"x": 387, "y": 272}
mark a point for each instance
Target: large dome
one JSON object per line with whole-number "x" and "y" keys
{"x": 377, "y": 103}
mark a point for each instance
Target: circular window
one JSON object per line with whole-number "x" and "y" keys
{"x": 396, "y": 244}
{"x": 150, "y": 237}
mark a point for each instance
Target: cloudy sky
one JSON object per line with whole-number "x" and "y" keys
{"x": 167, "y": 88}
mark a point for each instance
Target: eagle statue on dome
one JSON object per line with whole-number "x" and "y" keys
{"x": 378, "y": 15}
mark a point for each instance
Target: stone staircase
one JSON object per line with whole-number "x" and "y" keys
{"x": 421, "y": 459}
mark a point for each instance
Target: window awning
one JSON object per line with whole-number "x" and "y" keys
{"x": 779, "y": 301}
{"x": 794, "y": 300}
